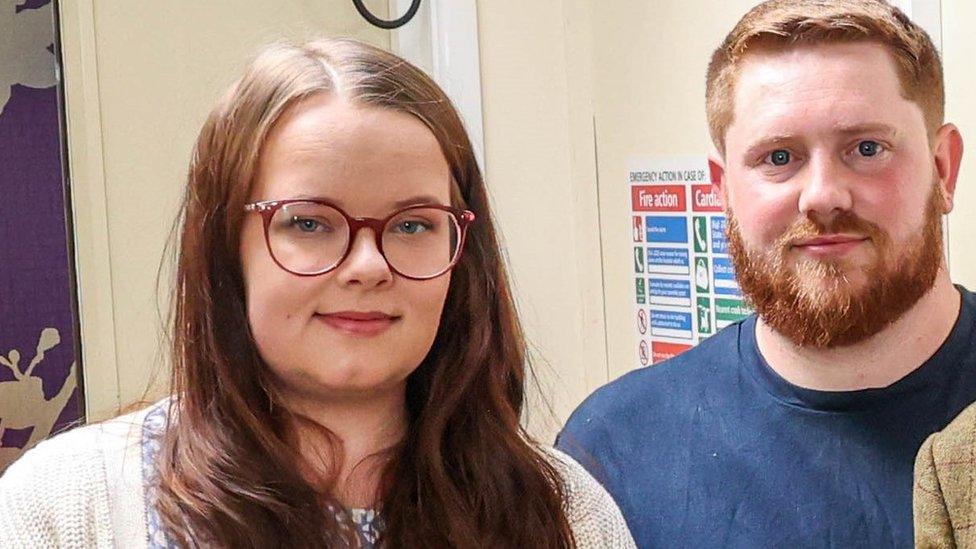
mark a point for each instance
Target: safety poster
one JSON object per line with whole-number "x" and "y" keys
{"x": 684, "y": 285}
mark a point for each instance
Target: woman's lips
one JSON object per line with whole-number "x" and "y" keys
{"x": 359, "y": 324}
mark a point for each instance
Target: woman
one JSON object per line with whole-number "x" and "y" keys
{"x": 348, "y": 368}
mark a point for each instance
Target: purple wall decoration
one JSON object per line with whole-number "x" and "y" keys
{"x": 38, "y": 364}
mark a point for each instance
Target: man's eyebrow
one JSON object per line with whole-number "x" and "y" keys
{"x": 768, "y": 142}
{"x": 869, "y": 128}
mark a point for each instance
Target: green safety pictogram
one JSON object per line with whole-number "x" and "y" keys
{"x": 705, "y": 316}
{"x": 730, "y": 310}
{"x": 701, "y": 234}
{"x": 641, "y": 292}
{"x": 702, "y": 279}
{"x": 638, "y": 259}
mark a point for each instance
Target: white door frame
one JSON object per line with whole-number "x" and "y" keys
{"x": 443, "y": 40}
{"x": 928, "y": 15}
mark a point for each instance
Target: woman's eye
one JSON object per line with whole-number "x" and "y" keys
{"x": 868, "y": 148}
{"x": 779, "y": 157}
{"x": 411, "y": 227}
{"x": 307, "y": 225}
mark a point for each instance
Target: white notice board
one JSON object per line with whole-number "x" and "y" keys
{"x": 683, "y": 283}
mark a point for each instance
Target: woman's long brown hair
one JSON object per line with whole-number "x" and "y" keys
{"x": 465, "y": 475}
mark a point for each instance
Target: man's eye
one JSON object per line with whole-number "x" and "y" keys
{"x": 779, "y": 157}
{"x": 868, "y": 148}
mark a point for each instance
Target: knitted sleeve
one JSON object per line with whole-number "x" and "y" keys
{"x": 593, "y": 515}
{"x": 55, "y": 495}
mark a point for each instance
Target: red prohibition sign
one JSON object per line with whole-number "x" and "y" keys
{"x": 642, "y": 321}
{"x": 644, "y": 358}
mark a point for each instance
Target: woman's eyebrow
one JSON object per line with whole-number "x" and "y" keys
{"x": 419, "y": 199}
{"x": 416, "y": 200}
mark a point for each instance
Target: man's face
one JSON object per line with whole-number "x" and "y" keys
{"x": 832, "y": 192}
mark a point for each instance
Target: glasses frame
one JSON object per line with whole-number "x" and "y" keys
{"x": 268, "y": 208}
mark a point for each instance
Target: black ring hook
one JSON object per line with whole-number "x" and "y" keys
{"x": 383, "y": 24}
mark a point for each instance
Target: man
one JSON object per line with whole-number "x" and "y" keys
{"x": 799, "y": 426}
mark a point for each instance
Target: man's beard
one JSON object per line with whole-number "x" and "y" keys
{"x": 813, "y": 303}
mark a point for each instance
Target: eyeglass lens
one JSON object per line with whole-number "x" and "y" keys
{"x": 310, "y": 238}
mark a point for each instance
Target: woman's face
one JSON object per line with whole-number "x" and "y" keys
{"x": 360, "y": 329}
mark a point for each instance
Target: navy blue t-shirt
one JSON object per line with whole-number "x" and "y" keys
{"x": 714, "y": 449}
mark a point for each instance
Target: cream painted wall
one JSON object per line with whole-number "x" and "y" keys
{"x": 140, "y": 78}
{"x": 571, "y": 89}
{"x": 958, "y": 52}
{"x": 650, "y": 62}
{"x": 536, "y": 67}
{"x": 649, "y": 88}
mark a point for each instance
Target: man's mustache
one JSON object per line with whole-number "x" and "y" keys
{"x": 845, "y": 222}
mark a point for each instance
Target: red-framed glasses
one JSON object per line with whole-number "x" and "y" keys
{"x": 310, "y": 237}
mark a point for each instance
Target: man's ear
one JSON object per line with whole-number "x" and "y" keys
{"x": 716, "y": 165}
{"x": 947, "y": 148}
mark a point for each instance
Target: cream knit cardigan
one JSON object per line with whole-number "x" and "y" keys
{"x": 84, "y": 488}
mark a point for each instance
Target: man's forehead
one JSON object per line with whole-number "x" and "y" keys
{"x": 837, "y": 88}
{"x": 768, "y": 64}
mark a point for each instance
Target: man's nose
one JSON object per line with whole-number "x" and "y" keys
{"x": 826, "y": 189}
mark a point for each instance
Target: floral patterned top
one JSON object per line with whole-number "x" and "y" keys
{"x": 367, "y": 522}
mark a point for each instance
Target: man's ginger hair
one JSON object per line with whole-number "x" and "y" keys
{"x": 781, "y": 24}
